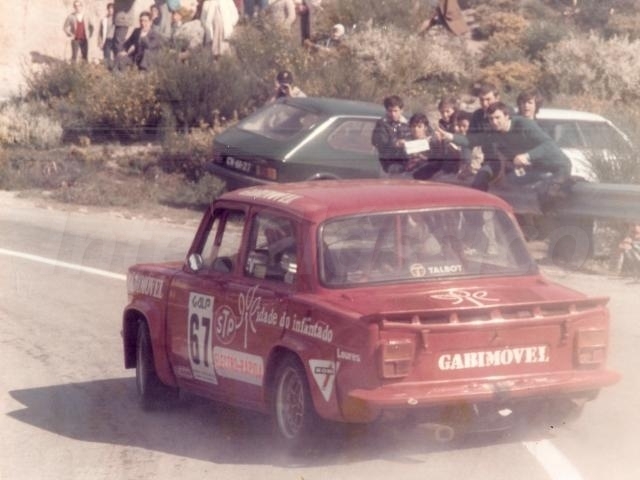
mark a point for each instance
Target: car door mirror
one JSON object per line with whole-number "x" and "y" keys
{"x": 195, "y": 262}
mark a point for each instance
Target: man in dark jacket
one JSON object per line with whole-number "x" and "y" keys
{"x": 389, "y": 134}
{"x": 525, "y": 145}
{"x": 141, "y": 45}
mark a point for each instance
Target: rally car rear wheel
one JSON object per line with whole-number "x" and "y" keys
{"x": 293, "y": 411}
{"x": 151, "y": 391}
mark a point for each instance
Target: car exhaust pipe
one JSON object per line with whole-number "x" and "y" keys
{"x": 441, "y": 433}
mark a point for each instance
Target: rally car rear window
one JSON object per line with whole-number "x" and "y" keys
{"x": 420, "y": 245}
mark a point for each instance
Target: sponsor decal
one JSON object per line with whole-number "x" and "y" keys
{"x": 460, "y": 296}
{"x": 144, "y": 285}
{"x": 324, "y": 373}
{"x": 268, "y": 194}
{"x": 494, "y": 358}
{"x": 349, "y": 356}
{"x": 199, "y": 335}
{"x": 183, "y": 372}
{"x": 319, "y": 330}
{"x": 248, "y": 306}
{"x": 417, "y": 270}
{"x": 440, "y": 269}
{"x": 227, "y": 325}
{"x": 240, "y": 366}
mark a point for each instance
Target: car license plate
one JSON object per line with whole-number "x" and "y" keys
{"x": 241, "y": 165}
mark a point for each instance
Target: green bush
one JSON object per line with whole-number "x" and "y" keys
{"x": 261, "y": 49}
{"x": 604, "y": 69}
{"x": 59, "y": 80}
{"x": 200, "y": 89}
{"x": 28, "y": 125}
{"x": 374, "y": 13}
{"x": 122, "y": 106}
{"x": 409, "y": 65}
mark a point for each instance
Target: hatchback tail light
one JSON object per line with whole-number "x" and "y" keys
{"x": 396, "y": 358}
{"x": 268, "y": 173}
{"x": 591, "y": 346}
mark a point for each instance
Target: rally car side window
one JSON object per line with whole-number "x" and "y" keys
{"x": 272, "y": 249}
{"x": 222, "y": 245}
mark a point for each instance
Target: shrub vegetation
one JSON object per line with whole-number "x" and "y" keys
{"x": 579, "y": 57}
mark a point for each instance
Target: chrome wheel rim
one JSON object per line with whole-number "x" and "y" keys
{"x": 290, "y": 404}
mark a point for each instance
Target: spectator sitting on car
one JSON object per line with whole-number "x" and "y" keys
{"x": 444, "y": 155}
{"x": 480, "y": 134}
{"x": 389, "y": 134}
{"x": 522, "y": 142}
{"x": 529, "y": 103}
{"x": 419, "y": 130}
{"x": 284, "y": 87}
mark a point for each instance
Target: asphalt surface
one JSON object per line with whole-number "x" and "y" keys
{"x": 69, "y": 407}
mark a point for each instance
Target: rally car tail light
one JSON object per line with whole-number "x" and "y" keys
{"x": 396, "y": 357}
{"x": 591, "y": 347}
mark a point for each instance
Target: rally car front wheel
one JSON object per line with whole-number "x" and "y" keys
{"x": 293, "y": 411}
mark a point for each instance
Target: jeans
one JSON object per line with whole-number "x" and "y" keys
{"x": 250, "y": 5}
{"x": 83, "y": 46}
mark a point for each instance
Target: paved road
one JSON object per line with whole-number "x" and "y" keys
{"x": 69, "y": 409}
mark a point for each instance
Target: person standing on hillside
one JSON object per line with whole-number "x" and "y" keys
{"x": 219, "y": 18}
{"x": 79, "y": 29}
{"x": 141, "y": 46}
{"x": 105, "y": 36}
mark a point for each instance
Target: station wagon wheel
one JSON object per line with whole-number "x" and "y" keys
{"x": 151, "y": 391}
{"x": 293, "y": 412}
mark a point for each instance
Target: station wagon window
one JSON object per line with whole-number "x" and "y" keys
{"x": 223, "y": 240}
{"x": 280, "y": 121}
{"x": 420, "y": 245}
{"x": 353, "y": 136}
{"x": 272, "y": 249}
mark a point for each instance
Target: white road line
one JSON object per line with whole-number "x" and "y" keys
{"x": 58, "y": 263}
{"x": 552, "y": 460}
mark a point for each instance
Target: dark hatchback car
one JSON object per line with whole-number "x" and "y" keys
{"x": 297, "y": 139}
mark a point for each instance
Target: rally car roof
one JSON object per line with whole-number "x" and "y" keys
{"x": 316, "y": 200}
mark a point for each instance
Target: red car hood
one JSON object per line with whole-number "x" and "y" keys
{"x": 471, "y": 294}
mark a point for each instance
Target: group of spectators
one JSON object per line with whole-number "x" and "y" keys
{"x": 166, "y": 23}
{"x": 487, "y": 144}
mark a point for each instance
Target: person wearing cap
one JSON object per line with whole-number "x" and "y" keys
{"x": 284, "y": 87}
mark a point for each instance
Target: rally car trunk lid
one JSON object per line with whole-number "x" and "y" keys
{"x": 500, "y": 331}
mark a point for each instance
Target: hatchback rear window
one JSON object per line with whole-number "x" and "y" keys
{"x": 280, "y": 121}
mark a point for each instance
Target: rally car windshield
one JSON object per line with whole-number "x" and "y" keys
{"x": 420, "y": 245}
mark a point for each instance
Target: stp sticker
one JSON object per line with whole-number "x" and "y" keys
{"x": 324, "y": 373}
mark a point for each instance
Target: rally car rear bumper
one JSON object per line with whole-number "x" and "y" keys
{"x": 367, "y": 405}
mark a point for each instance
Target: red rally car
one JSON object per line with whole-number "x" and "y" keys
{"x": 355, "y": 301}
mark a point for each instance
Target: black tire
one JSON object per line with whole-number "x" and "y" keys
{"x": 152, "y": 393}
{"x": 294, "y": 415}
{"x": 571, "y": 241}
